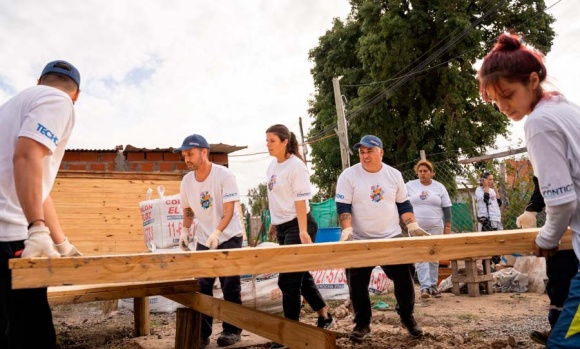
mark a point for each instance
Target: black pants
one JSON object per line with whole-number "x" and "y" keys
{"x": 293, "y": 285}
{"x": 231, "y": 288}
{"x": 358, "y": 287}
{"x": 560, "y": 269}
{"x": 25, "y": 316}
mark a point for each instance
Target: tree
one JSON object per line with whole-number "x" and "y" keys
{"x": 258, "y": 199}
{"x": 436, "y": 107}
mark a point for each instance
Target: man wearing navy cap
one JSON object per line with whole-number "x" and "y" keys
{"x": 209, "y": 193}
{"x": 36, "y": 126}
{"x": 371, "y": 198}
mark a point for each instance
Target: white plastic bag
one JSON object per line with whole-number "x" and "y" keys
{"x": 162, "y": 220}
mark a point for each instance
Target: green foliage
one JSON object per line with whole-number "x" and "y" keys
{"x": 438, "y": 109}
{"x": 258, "y": 199}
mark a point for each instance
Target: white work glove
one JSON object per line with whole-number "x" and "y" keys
{"x": 346, "y": 234}
{"x": 415, "y": 230}
{"x": 184, "y": 238}
{"x": 39, "y": 243}
{"x": 527, "y": 220}
{"x": 214, "y": 239}
{"x": 66, "y": 249}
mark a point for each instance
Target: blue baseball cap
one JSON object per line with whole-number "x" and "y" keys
{"x": 63, "y": 68}
{"x": 193, "y": 141}
{"x": 369, "y": 141}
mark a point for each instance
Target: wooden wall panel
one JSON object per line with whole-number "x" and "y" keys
{"x": 100, "y": 214}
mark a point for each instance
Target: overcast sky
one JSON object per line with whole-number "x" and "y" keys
{"x": 154, "y": 72}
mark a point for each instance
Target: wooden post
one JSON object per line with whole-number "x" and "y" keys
{"x": 141, "y": 313}
{"x": 187, "y": 329}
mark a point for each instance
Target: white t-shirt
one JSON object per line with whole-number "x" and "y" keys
{"x": 207, "y": 198}
{"x": 494, "y": 212}
{"x": 374, "y": 198}
{"x": 553, "y": 140}
{"x": 288, "y": 182}
{"x": 428, "y": 202}
{"x": 46, "y": 115}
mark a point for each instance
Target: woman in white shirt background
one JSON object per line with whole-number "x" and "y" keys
{"x": 488, "y": 204}
{"x": 432, "y": 209}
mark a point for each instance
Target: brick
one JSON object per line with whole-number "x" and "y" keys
{"x": 166, "y": 166}
{"x": 181, "y": 166}
{"x": 108, "y": 156}
{"x": 88, "y": 157}
{"x": 154, "y": 156}
{"x": 98, "y": 167}
{"x": 63, "y": 166}
{"x": 135, "y": 167}
{"x": 172, "y": 157}
{"x": 218, "y": 158}
{"x": 147, "y": 166}
{"x": 135, "y": 156}
{"x": 79, "y": 166}
{"x": 71, "y": 156}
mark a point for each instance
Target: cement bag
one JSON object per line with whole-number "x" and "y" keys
{"x": 162, "y": 220}
{"x": 332, "y": 283}
{"x": 157, "y": 304}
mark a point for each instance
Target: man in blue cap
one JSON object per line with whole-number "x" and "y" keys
{"x": 209, "y": 194}
{"x": 36, "y": 126}
{"x": 371, "y": 198}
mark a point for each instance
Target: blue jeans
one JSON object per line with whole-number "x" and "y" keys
{"x": 428, "y": 272}
{"x": 566, "y": 332}
{"x": 231, "y": 288}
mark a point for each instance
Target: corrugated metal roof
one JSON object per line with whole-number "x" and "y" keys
{"x": 214, "y": 148}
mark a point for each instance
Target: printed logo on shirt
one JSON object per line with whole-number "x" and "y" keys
{"x": 205, "y": 200}
{"x": 229, "y": 195}
{"x": 47, "y": 133}
{"x": 299, "y": 195}
{"x": 339, "y": 196}
{"x": 424, "y": 195}
{"x": 552, "y": 193}
{"x": 377, "y": 194}
{"x": 271, "y": 183}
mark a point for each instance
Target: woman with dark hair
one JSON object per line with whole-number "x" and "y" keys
{"x": 511, "y": 77}
{"x": 488, "y": 204}
{"x": 289, "y": 190}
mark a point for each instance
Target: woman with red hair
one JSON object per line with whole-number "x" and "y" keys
{"x": 511, "y": 77}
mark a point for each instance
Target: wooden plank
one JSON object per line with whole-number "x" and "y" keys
{"x": 93, "y": 293}
{"x": 42, "y": 272}
{"x": 273, "y": 327}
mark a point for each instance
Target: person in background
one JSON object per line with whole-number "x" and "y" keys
{"x": 370, "y": 198}
{"x": 289, "y": 189}
{"x": 488, "y": 204}
{"x": 432, "y": 209}
{"x": 209, "y": 193}
{"x": 36, "y": 126}
{"x": 560, "y": 268}
{"x": 512, "y": 76}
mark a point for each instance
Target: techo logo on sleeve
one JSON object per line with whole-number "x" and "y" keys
{"x": 47, "y": 133}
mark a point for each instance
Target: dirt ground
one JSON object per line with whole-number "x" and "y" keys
{"x": 501, "y": 320}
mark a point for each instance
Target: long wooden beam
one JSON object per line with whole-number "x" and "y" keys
{"x": 42, "y": 272}
{"x": 273, "y": 327}
{"x": 81, "y": 294}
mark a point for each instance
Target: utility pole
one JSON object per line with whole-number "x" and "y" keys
{"x": 304, "y": 149}
{"x": 341, "y": 122}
